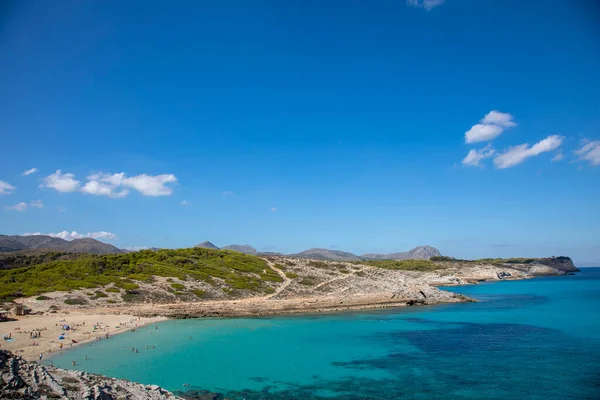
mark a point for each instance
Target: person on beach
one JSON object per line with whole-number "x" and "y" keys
{"x": 41, "y": 355}
{"x": 74, "y": 362}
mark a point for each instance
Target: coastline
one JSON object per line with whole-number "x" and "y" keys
{"x": 121, "y": 318}
{"x": 50, "y": 327}
{"x": 118, "y": 320}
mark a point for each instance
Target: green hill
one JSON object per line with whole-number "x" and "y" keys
{"x": 28, "y": 275}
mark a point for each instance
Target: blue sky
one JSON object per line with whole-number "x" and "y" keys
{"x": 472, "y": 126}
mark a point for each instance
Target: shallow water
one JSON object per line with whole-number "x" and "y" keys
{"x": 531, "y": 339}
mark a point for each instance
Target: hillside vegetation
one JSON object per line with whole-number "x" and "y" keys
{"x": 37, "y": 274}
{"x": 404, "y": 265}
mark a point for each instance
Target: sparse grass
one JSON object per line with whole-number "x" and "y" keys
{"x": 318, "y": 264}
{"x": 177, "y": 286}
{"x": 113, "y": 290}
{"x": 201, "y": 294}
{"x": 360, "y": 273}
{"x": 43, "y": 298}
{"x": 111, "y": 301}
{"x": 291, "y": 275}
{"x": 404, "y": 265}
{"x": 100, "y": 294}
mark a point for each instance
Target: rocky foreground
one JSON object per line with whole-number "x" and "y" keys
{"x": 21, "y": 379}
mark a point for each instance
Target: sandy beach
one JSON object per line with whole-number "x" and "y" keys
{"x": 84, "y": 326}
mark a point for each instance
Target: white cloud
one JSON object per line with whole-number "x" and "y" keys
{"x": 496, "y": 117}
{"x": 590, "y": 151}
{"x": 6, "y": 188}
{"x": 22, "y": 206}
{"x": 273, "y": 208}
{"x": 75, "y": 235}
{"x": 37, "y": 204}
{"x": 30, "y": 171}
{"x": 151, "y": 185}
{"x": 491, "y": 126}
{"x": 112, "y": 185}
{"x": 482, "y": 133}
{"x": 184, "y": 203}
{"x": 426, "y": 4}
{"x": 61, "y": 182}
{"x": 475, "y": 156}
{"x": 101, "y": 184}
{"x": 517, "y": 154}
{"x": 560, "y": 156}
{"x": 136, "y": 248}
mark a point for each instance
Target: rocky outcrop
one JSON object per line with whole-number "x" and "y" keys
{"x": 20, "y": 379}
{"x": 564, "y": 264}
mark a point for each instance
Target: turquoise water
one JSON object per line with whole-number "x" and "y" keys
{"x": 532, "y": 339}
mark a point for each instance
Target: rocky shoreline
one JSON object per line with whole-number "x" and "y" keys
{"x": 22, "y": 379}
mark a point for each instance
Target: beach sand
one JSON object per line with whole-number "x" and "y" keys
{"x": 51, "y": 327}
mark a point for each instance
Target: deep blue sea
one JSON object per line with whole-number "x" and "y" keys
{"x": 530, "y": 339}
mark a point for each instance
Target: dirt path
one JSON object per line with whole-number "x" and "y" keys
{"x": 339, "y": 278}
{"x": 283, "y": 286}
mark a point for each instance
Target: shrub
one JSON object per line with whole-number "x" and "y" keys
{"x": 30, "y": 276}
{"x": 404, "y": 265}
{"x": 109, "y": 301}
{"x": 43, "y": 298}
{"x": 291, "y": 275}
{"x": 76, "y": 301}
{"x": 201, "y": 294}
{"x": 308, "y": 281}
{"x": 177, "y": 286}
{"x": 129, "y": 297}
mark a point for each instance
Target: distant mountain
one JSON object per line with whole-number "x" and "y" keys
{"x": 87, "y": 245}
{"x": 326, "y": 254}
{"x": 242, "y": 248}
{"x": 207, "y": 245}
{"x": 16, "y": 242}
{"x": 8, "y": 243}
{"x": 91, "y": 246}
{"x": 418, "y": 253}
